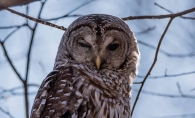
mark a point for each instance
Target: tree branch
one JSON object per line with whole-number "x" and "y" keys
{"x": 36, "y": 20}
{"x": 166, "y": 53}
{"x": 16, "y": 88}
{"x": 191, "y": 18}
{"x": 178, "y": 116}
{"x": 14, "y": 26}
{"x": 10, "y": 62}
{"x": 159, "y": 16}
{"x": 68, "y": 14}
{"x": 155, "y": 59}
{"x": 6, "y": 112}
{"x": 10, "y": 3}
{"x": 163, "y": 76}
{"x": 165, "y": 95}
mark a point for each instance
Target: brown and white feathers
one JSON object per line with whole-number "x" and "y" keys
{"x": 96, "y": 62}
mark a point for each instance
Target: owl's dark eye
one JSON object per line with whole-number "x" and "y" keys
{"x": 84, "y": 45}
{"x": 113, "y": 47}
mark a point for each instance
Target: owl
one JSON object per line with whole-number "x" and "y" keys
{"x": 95, "y": 66}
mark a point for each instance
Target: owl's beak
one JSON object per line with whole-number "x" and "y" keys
{"x": 98, "y": 62}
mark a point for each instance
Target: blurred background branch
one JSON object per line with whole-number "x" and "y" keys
{"x": 6, "y": 112}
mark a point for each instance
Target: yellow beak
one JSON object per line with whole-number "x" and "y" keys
{"x": 98, "y": 62}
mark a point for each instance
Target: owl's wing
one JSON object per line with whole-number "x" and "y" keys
{"x": 42, "y": 95}
{"x": 58, "y": 96}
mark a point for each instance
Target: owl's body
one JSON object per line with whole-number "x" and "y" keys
{"x": 95, "y": 65}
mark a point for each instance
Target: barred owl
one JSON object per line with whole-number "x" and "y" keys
{"x": 95, "y": 65}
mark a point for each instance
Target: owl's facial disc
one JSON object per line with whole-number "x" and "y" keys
{"x": 107, "y": 51}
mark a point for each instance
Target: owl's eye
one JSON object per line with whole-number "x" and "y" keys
{"x": 84, "y": 45}
{"x": 113, "y": 47}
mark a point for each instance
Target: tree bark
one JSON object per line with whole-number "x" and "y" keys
{"x": 10, "y": 3}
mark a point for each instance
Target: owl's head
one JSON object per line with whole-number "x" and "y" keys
{"x": 102, "y": 41}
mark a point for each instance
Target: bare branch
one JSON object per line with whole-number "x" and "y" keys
{"x": 179, "y": 89}
{"x": 6, "y": 112}
{"x": 42, "y": 67}
{"x": 12, "y": 91}
{"x": 178, "y": 116}
{"x": 165, "y": 95}
{"x": 191, "y": 18}
{"x": 10, "y": 62}
{"x": 193, "y": 89}
{"x": 28, "y": 58}
{"x": 126, "y": 18}
{"x": 16, "y": 88}
{"x": 166, "y": 53}
{"x": 138, "y": 82}
{"x": 68, "y": 14}
{"x": 155, "y": 59}
{"x": 11, "y": 34}
{"x": 12, "y": 94}
{"x": 160, "y": 16}
{"x": 146, "y": 31}
{"x": 10, "y": 3}
{"x": 64, "y": 16}
{"x": 36, "y": 20}
{"x": 14, "y": 26}
{"x": 166, "y": 75}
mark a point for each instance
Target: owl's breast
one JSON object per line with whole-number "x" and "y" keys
{"x": 101, "y": 102}
{"x": 72, "y": 92}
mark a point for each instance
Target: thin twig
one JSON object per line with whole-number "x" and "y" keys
{"x": 28, "y": 60}
{"x": 2, "y": 90}
{"x": 138, "y": 82}
{"x": 192, "y": 89}
{"x": 6, "y": 112}
{"x": 42, "y": 67}
{"x": 36, "y": 20}
{"x": 155, "y": 59}
{"x": 165, "y": 95}
{"x": 159, "y": 16}
{"x": 191, "y": 18}
{"x": 64, "y": 16}
{"x": 178, "y": 116}
{"x": 164, "y": 76}
{"x": 68, "y": 14}
{"x": 8, "y": 27}
{"x": 11, "y": 34}
{"x": 146, "y": 30}
{"x": 12, "y": 91}
{"x": 166, "y": 53}
{"x": 13, "y": 94}
{"x": 10, "y": 62}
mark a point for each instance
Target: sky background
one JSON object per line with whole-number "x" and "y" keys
{"x": 179, "y": 40}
